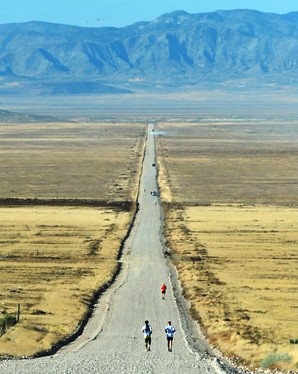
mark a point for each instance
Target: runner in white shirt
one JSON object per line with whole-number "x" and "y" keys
{"x": 147, "y": 331}
{"x": 169, "y": 334}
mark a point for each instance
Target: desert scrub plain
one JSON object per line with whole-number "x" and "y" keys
{"x": 229, "y": 189}
{"x": 70, "y": 160}
{"x": 55, "y": 259}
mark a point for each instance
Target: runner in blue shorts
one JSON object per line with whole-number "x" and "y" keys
{"x": 169, "y": 329}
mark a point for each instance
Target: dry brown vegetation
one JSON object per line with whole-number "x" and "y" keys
{"x": 229, "y": 189}
{"x": 53, "y": 260}
{"x": 229, "y": 160}
{"x": 71, "y": 160}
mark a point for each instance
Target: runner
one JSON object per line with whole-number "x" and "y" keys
{"x": 163, "y": 291}
{"x": 169, "y": 334}
{"x": 147, "y": 331}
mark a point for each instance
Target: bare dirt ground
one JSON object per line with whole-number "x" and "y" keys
{"x": 229, "y": 188}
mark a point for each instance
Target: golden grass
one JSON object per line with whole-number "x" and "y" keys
{"x": 73, "y": 160}
{"x": 52, "y": 262}
{"x": 238, "y": 266}
{"x": 229, "y": 188}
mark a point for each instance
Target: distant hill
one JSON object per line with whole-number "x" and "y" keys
{"x": 13, "y": 117}
{"x": 175, "y": 50}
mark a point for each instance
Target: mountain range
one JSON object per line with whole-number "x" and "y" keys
{"x": 176, "y": 50}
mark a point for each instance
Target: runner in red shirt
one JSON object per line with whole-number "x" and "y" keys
{"x": 163, "y": 291}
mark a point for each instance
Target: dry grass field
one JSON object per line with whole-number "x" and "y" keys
{"x": 53, "y": 260}
{"x": 71, "y": 160}
{"x": 229, "y": 160}
{"x": 229, "y": 189}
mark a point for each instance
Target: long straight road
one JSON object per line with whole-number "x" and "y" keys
{"x": 112, "y": 341}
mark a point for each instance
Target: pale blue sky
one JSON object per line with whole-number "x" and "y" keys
{"x": 118, "y": 13}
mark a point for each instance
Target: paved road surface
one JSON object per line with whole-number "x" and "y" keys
{"x": 112, "y": 342}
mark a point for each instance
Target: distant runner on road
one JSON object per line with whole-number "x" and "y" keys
{"x": 147, "y": 331}
{"x": 163, "y": 290}
{"x": 169, "y": 329}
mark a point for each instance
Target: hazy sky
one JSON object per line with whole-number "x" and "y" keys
{"x": 120, "y": 13}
